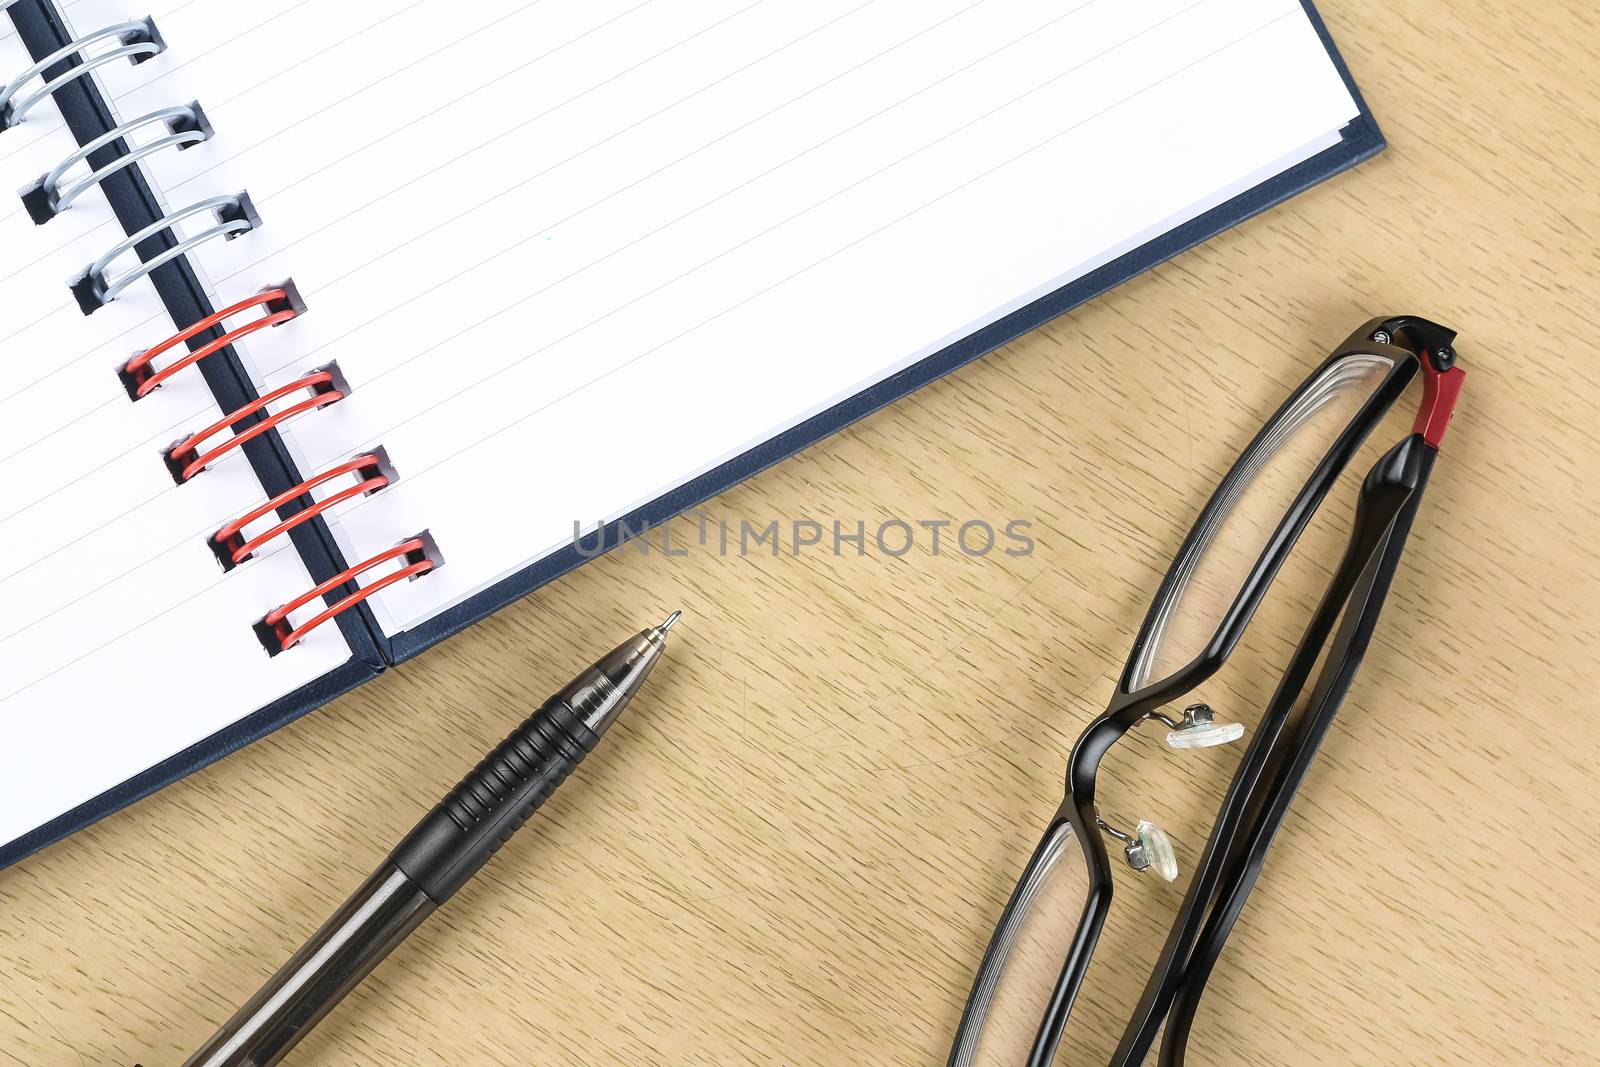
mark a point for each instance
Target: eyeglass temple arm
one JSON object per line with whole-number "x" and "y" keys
{"x": 1442, "y": 386}
{"x": 1361, "y": 611}
{"x": 1376, "y": 510}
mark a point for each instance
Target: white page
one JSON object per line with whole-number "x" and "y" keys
{"x": 122, "y": 641}
{"x": 602, "y": 245}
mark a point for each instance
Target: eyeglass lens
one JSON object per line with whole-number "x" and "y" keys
{"x": 1212, "y": 572}
{"x": 1028, "y": 951}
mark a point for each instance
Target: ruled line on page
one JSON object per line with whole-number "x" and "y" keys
{"x": 435, "y": 54}
{"x": 416, "y": 474}
{"x": 797, "y": 215}
{"x": 356, "y": 271}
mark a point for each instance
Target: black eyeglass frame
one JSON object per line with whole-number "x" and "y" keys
{"x": 1356, "y": 598}
{"x": 1405, "y": 341}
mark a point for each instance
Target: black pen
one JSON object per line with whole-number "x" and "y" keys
{"x": 436, "y": 858}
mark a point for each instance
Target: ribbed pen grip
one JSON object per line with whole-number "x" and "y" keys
{"x": 493, "y": 801}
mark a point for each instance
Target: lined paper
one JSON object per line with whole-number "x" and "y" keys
{"x": 571, "y": 253}
{"x": 122, "y": 642}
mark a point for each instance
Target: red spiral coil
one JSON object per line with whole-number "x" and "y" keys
{"x": 230, "y": 541}
{"x": 282, "y": 304}
{"x": 185, "y": 459}
{"x": 275, "y": 626}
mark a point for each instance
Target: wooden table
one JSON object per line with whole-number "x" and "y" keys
{"x": 794, "y": 849}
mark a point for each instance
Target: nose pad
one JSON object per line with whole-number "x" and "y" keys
{"x": 1151, "y": 850}
{"x": 1200, "y": 729}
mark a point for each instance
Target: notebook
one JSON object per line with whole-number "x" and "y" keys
{"x": 479, "y": 286}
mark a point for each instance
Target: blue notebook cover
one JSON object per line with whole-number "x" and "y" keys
{"x": 43, "y": 31}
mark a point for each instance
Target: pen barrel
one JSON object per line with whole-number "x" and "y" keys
{"x": 364, "y": 930}
{"x": 493, "y": 801}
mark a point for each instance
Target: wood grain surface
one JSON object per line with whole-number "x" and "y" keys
{"x": 795, "y": 847}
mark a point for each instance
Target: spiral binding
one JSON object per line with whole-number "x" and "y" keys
{"x": 235, "y": 215}
{"x": 232, "y": 548}
{"x": 282, "y": 303}
{"x": 53, "y": 193}
{"x": 137, "y": 40}
{"x": 185, "y": 459}
{"x": 278, "y": 635}
{"x": 186, "y": 127}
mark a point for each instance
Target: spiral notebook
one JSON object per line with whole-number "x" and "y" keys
{"x": 328, "y": 327}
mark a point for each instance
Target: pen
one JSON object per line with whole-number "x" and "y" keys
{"x": 435, "y": 859}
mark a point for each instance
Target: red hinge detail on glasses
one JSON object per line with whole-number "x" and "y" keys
{"x": 1440, "y": 390}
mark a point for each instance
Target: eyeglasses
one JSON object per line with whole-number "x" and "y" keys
{"x": 1040, "y": 951}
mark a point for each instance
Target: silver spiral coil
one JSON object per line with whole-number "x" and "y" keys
{"x": 235, "y": 215}
{"x": 137, "y": 40}
{"x": 48, "y": 197}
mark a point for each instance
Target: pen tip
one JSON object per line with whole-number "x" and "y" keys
{"x": 664, "y": 627}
